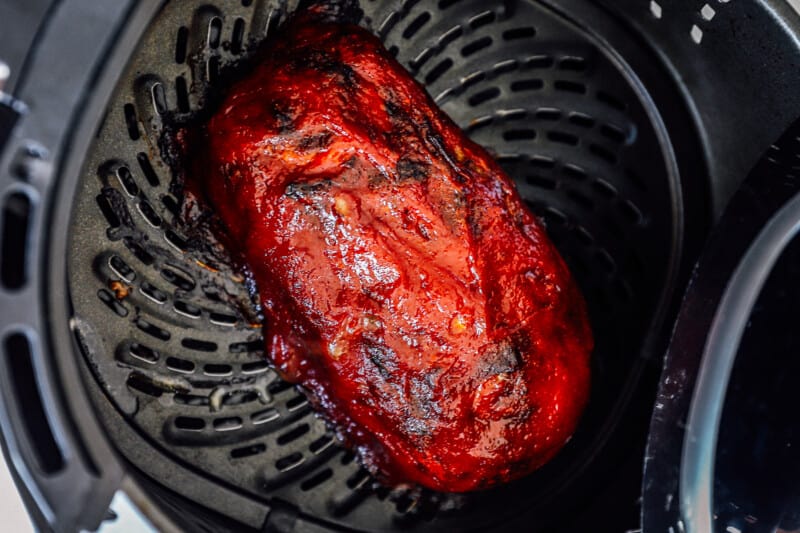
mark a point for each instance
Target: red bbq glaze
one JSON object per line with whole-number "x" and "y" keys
{"x": 403, "y": 281}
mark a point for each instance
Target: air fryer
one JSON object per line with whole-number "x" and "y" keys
{"x": 627, "y": 126}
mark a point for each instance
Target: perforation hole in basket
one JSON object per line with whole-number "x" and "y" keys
{"x": 563, "y": 137}
{"x": 296, "y": 403}
{"x": 187, "y": 423}
{"x": 317, "y": 479}
{"x": 555, "y": 216}
{"x": 186, "y": 309}
{"x": 605, "y": 261}
{"x": 358, "y": 479}
{"x": 611, "y": 100}
{"x": 182, "y": 94}
{"x": 404, "y": 503}
{"x": 574, "y": 171}
{"x": 581, "y": 119}
{"x": 515, "y": 34}
{"x": 140, "y": 383}
{"x": 248, "y": 451}
{"x": 421, "y": 59}
{"x": 230, "y": 423}
{"x": 631, "y": 212}
{"x": 138, "y": 251}
{"x": 153, "y": 293}
{"x": 108, "y": 211}
{"x": 525, "y": 134}
{"x": 548, "y": 113}
{"x": 476, "y": 46}
{"x": 126, "y": 180}
{"x": 249, "y": 346}
{"x": 146, "y": 210}
{"x": 237, "y": 37}
{"x": 449, "y": 36}
{"x": 147, "y": 169}
{"x": 482, "y": 19}
{"x": 603, "y": 153}
{"x": 484, "y": 96}
{"x": 542, "y": 182}
{"x": 222, "y": 319}
{"x": 212, "y": 293}
{"x": 542, "y": 161}
{"x": 159, "y": 98}
{"x": 181, "y": 43}
{"x": 181, "y": 280}
{"x": 289, "y": 462}
{"x": 509, "y": 115}
{"x": 214, "y": 32}
{"x": 217, "y": 369}
{"x": 479, "y": 122}
{"x": 171, "y": 204}
{"x": 193, "y": 400}
{"x": 570, "y": 86}
{"x": 446, "y": 4}
{"x": 183, "y": 366}
{"x": 175, "y": 240}
{"x": 613, "y": 133}
{"x": 575, "y": 63}
{"x": 415, "y": 25}
{"x": 143, "y": 353}
{"x": 198, "y": 345}
{"x": 504, "y": 67}
{"x": 277, "y": 387}
{"x": 438, "y": 71}
{"x": 538, "y": 62}
{"x": 152, "y": 330}
{"x": 533, "y": 84}
{"x": 111, "y": 301}
{"x": 131, "y": 121}
{"x": 584, "y": 236}
{"x": 472, "y": 79}
{"x": 347, "y": 457}
{"x": 212, "y": 70}
{"x": 121, "y": 268}
{"x": 388, "y": 24}
{"x": 255, "y": 367}
{"x": 264, "y": 416}
{"x": 293, "y": 434}
{"x": 604, "y": 188}
{"x": 321, "y": 444}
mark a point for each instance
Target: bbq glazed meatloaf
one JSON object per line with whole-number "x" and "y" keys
{"x": 404, "y": 283}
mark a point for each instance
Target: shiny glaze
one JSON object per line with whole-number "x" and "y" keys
{"x": 403, "y": 281}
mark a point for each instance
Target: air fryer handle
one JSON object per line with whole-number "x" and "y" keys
{"x": 49, "y": 469}
{"x": 66, "y": 477}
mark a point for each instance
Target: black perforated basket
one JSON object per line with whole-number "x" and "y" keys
{"x": 626, "y": 126}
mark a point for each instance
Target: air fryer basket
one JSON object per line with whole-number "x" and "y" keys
{"x": 611, "y": 119}
{"x": 169, "y": 337}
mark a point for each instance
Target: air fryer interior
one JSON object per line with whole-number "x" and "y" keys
{"x": 174, "y": 344}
